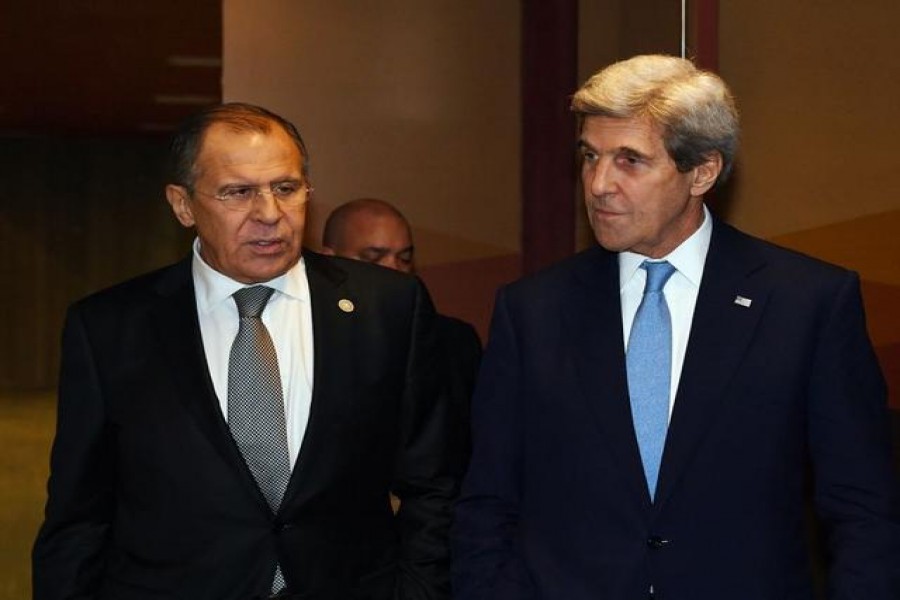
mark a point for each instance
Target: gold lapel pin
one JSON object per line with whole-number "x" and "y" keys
{"x": 346, "y": 305}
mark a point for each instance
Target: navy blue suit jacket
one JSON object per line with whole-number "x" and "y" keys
{"x": 778, "y": 401}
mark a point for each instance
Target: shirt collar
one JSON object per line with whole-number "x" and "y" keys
{"x": 688, "y": 258}
{"x": 214, "y": 288}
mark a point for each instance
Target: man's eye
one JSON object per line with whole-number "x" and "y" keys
{"x": 239, "y": 193}
{"x": 285, "y": 189}
{"x": 630, "y": 159}
{"x": 588, "y": 155}
{"x": 371, "y": 255}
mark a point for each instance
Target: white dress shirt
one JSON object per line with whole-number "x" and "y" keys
{"x": 680, "y": 291}
{"x": 287, "y": 316}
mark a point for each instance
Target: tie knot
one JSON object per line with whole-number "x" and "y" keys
{"x": 658, "y": 274}
{"x": 252, "y": 300}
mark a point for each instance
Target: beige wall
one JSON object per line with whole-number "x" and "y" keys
{"x": 816, "y": 83}
{"x": 418, "y": 102}
{"x": 413, "y": 102}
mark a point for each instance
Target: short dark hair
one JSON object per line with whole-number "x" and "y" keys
{"x": 240, "y": 116}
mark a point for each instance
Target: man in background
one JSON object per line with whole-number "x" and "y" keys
{"x": 230, "y": 426}
{"x": 375, "y": 231}
{"x": 649, "y": 411}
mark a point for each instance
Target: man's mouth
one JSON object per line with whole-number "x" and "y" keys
{"x": 266, "y": 245}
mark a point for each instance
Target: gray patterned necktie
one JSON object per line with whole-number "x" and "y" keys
{"x": 256, "y": 403}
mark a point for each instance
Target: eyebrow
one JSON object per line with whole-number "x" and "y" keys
{"x": 632, "y": 151}
{"x": 266, "y": 184}
{"x": 621, "y": 149}
{"x": 386, "y": 250}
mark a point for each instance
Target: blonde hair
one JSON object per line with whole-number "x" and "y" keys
{"x": 694, "y": 108}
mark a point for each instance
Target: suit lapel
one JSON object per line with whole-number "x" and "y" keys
{"x": 593, "y": 321}
{"x": 176, "y": 323}
{"x": 721, "y": 331}
{"x": 333, "y": 330}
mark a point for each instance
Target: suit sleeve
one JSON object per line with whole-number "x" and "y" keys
{"x": 423, "y": 473}
{"x": 855, "y": 489}
{"x": 68, "y": 555}
{"x": 486, "y": 565}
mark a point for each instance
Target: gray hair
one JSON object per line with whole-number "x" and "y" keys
{"x": 694, "y": 108}
{"x": 187, "y": 142}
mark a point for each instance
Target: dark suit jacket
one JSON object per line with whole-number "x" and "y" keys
{"x": 462, "y": 353}
{"x": 150, "y": 498}
{"x": 555, "y": 504}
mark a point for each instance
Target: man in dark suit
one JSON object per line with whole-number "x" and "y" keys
{"x": 191, "y": 463}
{"x": 653, "y": 412}
{"x": 375, "y": 231}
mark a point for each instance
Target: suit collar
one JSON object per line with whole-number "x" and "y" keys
{"x": 721, "y": 331}
{"x": 593, "y": 321}
{"x": 334, "y": 329}
{"x": 175, "y": 322}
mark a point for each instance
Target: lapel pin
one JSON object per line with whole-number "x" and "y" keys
{"x": 741, "y": 301}
{"x": 346, "y": 305}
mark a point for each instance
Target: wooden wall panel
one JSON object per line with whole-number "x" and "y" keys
{"x": 77, "y": 215}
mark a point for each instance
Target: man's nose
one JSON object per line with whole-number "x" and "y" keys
{"x": 265, "y": 206}
{"x": 601, "y": 178}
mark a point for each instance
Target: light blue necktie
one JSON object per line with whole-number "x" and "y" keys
{"x": 649, "y": 364}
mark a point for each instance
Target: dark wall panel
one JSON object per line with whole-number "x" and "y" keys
{"x": 77, "y": 215}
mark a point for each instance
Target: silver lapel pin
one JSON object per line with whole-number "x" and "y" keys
{"x": 741, "y": 301}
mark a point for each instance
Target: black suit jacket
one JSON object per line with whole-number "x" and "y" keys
{"x": 773, "y": 387}
{"x": 461, "y": 348}
{"x": 149, "y": 496}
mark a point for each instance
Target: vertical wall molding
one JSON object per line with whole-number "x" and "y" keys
{"x": 704, "y": 18}
{"x": 549, "y": 72}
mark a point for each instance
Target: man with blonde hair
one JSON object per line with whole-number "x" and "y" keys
{"x": 653, "y": 413}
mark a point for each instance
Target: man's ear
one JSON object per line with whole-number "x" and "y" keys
{"x": 706, "y": 174}
{"x": 180, "y": 201}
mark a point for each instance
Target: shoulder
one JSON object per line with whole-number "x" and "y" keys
{"x": 592, "y": 267}
{"x": 140, "y": 290}
{"x": 791, "y": 267}
{"x": 344, "y": 270}
{"x": 457, "y": 333}
{"x": 377, "y": 288}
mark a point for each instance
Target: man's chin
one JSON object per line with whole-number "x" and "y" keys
{"x": 610, "y": 244}
{"x": 261, "y": 269}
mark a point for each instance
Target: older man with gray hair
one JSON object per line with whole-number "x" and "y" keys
{"x": 653, "y": 413}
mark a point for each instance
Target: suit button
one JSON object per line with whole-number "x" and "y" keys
{"x": 656, "y": 542}
{"x": 282, "y": 527}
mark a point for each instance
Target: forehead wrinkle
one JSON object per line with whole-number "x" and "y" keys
{"x": 257, "y": 151}
{"x": 643, "y": 132}
{"x": 618, "y": 149}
